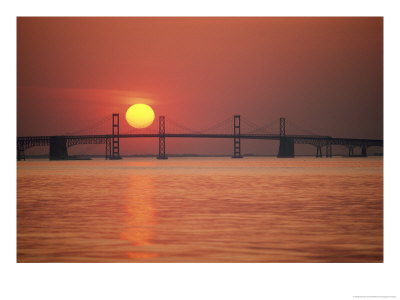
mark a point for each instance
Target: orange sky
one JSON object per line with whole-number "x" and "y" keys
{"x": 325, "y": 74}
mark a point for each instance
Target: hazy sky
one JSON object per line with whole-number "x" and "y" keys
{"x": 324, "y": 74}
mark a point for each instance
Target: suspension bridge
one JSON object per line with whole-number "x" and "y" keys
{"x": 235, "y": 128}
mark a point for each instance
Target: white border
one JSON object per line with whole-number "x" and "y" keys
{"x": 199, "y": 281}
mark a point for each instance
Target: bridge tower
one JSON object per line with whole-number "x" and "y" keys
{"x": 115, "y": 137}
{"x": 286, "y": 144}
{"x": 161, "y": 138}
{"x": 282, "y": 127}
{"x": 236, "y": 137}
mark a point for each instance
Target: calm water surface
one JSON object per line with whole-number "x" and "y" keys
{"x": 201, "y": 210}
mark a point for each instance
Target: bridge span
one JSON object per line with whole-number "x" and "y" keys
{"x": 58, "y": 145}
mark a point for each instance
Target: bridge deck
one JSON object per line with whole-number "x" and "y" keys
{"x": 297, "y": 138}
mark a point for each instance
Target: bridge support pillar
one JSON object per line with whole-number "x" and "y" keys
{"x": 236, "y": 137}
{"x": 319, "y": 151}
{"x": 108, "y": 148}
{"x": 364, "y": 151}
{"x": 351, "y": 151}
{"x": 58, "y": 148}
{"x": 161, "y": 138}
{"x": 20, "y": 152}
{"x": 328, "y": 150}
{"x": 286, "y": 147}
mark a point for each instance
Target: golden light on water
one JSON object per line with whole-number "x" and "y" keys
{"x": 199, "y": 210}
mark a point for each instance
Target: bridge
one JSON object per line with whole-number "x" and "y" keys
{"x": 58, "y": 145}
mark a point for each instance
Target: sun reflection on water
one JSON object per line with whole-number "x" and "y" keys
{"x": 140, "y": 216}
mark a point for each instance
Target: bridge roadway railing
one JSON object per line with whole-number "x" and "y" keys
{"x": 31, "y": 141}
{"x": 321, "y": 140}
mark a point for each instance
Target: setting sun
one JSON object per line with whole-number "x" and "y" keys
{"x": 140, "y": 115}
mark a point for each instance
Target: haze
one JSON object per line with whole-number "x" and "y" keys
{"x": 325, "y": 74}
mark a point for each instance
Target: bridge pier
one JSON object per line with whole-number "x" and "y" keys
{"x": 364, "y": 151}
{"x": 20, "y": 155}
{"x": 108, "y": 148}
{"x": 20, "y": 152}
{"x": 351, "y": 151}
{"x": 58, "y": 148}
{"x": 286, "y": 147}
{"x": 328, "y": 150}
{"x": 161, "y": 138}
{"x": 286, "y": 144}
{"x": 319, "y": 151}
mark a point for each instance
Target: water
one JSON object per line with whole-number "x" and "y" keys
{"x": 201, "y": 210}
